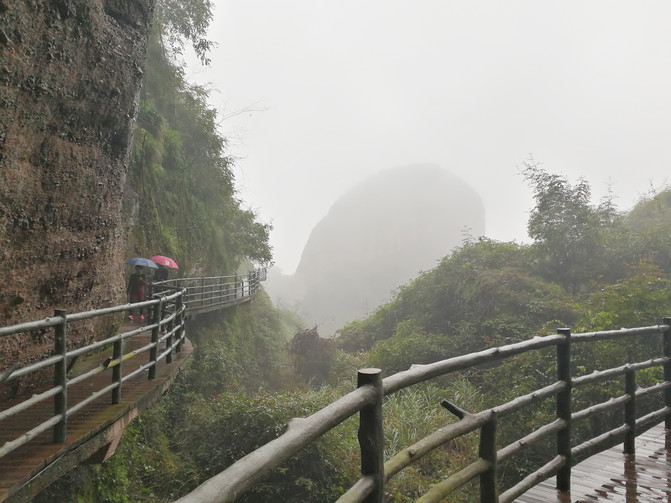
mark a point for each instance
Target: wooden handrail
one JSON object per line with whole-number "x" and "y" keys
{"x": 240, "y": 476}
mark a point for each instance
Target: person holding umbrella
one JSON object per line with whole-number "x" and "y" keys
{"x": 135, "y": 290}
{"x": 164, "y": 263}
{"x": 161, "y": 274}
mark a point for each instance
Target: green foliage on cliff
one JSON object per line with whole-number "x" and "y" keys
{"x": 181, "y": 199}
{"x": 245, "y": 348}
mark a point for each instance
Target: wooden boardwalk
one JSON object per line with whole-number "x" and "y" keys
{"x": 92, "y": 432}
{"x": 616, "y": 477}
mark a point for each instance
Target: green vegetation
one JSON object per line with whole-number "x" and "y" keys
{"x": 484, "y": 294}
{"x": 180, "y": 190}
{"x": 254, "y": 366}
{"x": 589, "y": 267}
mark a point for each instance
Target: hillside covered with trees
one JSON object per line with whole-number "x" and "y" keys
{"x": 590, "y": 267}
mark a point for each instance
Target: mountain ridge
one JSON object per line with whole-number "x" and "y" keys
{"x": 376, "y": 237}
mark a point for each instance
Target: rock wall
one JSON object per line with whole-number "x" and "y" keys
{"x": 70, "y": 76}
{"x": 378, "y": 236}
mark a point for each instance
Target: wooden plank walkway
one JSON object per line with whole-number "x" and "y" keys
{"x": 616, "y": 477}
{"x": 33, "y": 466}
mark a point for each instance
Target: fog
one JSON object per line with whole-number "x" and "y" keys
{"x": 317, "y": 96}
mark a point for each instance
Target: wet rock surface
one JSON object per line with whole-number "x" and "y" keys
{"x": 70, "y": 75}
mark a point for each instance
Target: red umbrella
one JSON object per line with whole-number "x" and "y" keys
{"x": 166, "y": 261}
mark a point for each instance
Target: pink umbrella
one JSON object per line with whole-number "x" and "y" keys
{"x": 166, "y": 261}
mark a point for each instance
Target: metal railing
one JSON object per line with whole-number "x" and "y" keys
{"x": 367, "y": 401}
{"x": 166, "y": 325}
{"x": 215, "y": 292}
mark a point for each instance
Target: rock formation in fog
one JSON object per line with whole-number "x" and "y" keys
{"x": 379, "y": 236}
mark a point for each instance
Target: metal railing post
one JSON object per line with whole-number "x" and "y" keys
{"x": 155, "y": 333}
{"x": 630, "y": 412}
{"x": 179, "y": 322}
{"x": 117, "y": 353}
{"x": 564, "y": 410}
{"x": 667, "y": 369}
{"x": 61, "y": 378}
{"x": 168, "y": 341}
{"x": 371, "y": 436}
{"x": 489, "y": 480}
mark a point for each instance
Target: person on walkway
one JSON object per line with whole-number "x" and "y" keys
{"x": 161, "y": 274}
{"x": 135, "y": 290}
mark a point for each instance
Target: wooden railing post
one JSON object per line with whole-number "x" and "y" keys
{"x": 155, "y": 334}
{"x": 61, "y": 378}
{"x": 564, "y": 410}
{"x": 630, "y": 412}
{"x": 489, "y": 480}
{"x": 371, "y": 436}
{"x": 667, "y": 369}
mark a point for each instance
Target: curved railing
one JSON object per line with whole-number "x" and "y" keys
{"x": 367, "y": 401}
{"x": 170, "y": 303}
{"x": 214, "y": 292}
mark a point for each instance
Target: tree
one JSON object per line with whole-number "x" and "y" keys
{"x": 178, "y": 21}
{"x": 648, "y": 226}
{"x": 312, "y": 355}
{"x": 566, "y": 229}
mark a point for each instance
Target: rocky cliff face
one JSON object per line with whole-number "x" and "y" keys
{"x": 70, "y": 75}
{"x": 378, "y": 236}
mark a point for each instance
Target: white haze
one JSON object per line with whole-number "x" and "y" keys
{"x": 317, "y": 96}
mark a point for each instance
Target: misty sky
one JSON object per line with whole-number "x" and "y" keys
{"x": 317, "y": 96}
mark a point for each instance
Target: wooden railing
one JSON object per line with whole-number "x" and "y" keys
{"x": 367, "y": 401}
{"x": 170, "y": 303}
